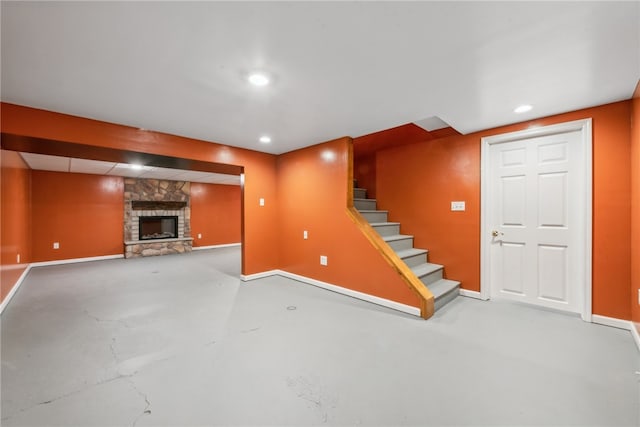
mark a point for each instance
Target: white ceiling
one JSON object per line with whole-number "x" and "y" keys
{"x": 338, "y": 68}
{"x": 66, "y": 164}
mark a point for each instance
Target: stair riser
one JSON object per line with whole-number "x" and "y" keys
{"x": 367, "y": 205}
{"x": 446, "y": 290}
{"x": 446, "y": 298}
{"x": 399, "y": 245}
{"x": 415, "y": 260}
{"x": 387, "y": 230}
{"x": 375, "y": 216}
{"x": 434, "y": 276}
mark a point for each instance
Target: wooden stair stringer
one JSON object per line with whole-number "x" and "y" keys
{"x": 427, "y": 303}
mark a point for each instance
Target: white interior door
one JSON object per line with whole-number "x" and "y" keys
{"x": 536, "y": 211}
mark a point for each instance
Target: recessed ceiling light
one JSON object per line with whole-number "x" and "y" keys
{"x": 265, "y": 139}
{"x": 258, "y": 79}
{"x": 522, "y": 108}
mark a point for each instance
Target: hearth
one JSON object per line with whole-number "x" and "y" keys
{"x": 158, "y": 227}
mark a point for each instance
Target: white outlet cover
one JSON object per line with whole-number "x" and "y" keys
{"x": 305, "y": 234}
{"x": 261, "y": 201}
{"x": 323, "y": 260}
{"x": 56, "y": 245}
{"x": 458, "y": 206}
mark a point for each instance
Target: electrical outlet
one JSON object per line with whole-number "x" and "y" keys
{"x": 261, "y": 201}
{"x": 305, "y": 235}
{"x": 638, "y": 296}
{"x": 323, "y": 260}
{"x": 458, "y": 206}
{"x": 199, "y": 235}
{"x": 56, "y": 245}
{"x": 18, "y": 259}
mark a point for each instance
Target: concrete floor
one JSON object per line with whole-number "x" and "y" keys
{"x": 180, "y": 340}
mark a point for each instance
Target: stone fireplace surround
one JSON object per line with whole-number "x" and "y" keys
{"x": 155, "y": 197}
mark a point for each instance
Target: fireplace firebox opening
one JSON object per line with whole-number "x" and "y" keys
{"x": 158, "y": 227}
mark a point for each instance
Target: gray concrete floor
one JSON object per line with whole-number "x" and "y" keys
{"x": 180, "y": 340}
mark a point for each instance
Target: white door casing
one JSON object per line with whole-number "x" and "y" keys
{"x": 536, "y": 199}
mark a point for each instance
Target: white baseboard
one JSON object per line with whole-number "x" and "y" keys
{"x": 627, "y": 325}
{"x": 415, "y": 311}
{"x": 255, "y": 276}
{"x": 13, "y": 290}
{"x": 611, "y": 321}
{"x": 471, "y": 294}
{"x": 75, "y": 260}
{"x": 635, "y": 334}
{"x": 226, "y": 245}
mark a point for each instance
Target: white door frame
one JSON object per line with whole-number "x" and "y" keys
{"x": 584, "y": 126}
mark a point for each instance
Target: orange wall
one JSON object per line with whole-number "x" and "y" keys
{"x": 15, "y": 188}
{"x": 431, "y": 173}
{"x": 259, "y": 168}
{"x": 215, "y": 214}
{"x": 84, "y": 213}
{"x": 313, "y": 184}
{"x": 364, "y": 171}
{"x": 635, "y": 206}
{"x": 417, "y": 182}
{"x": 366, "y": 146}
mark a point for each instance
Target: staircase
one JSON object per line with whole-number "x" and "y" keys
{"x": 431, "y": 275}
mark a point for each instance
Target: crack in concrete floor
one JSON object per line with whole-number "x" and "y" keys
{"x": 146, "y": 410}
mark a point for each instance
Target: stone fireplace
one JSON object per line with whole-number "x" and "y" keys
{"x": 157, "y": 217}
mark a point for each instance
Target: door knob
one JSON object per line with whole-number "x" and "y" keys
{"x": 496, "y": 233}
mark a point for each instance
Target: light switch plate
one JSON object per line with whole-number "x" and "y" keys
{"x": 323, "y": 260}
{"x": 458, "y": 206}
{"x": 261, "y": 201}
{"x": 305, "y": 235}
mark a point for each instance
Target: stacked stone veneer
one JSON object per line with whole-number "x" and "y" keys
{"x": 164, "y": 194}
